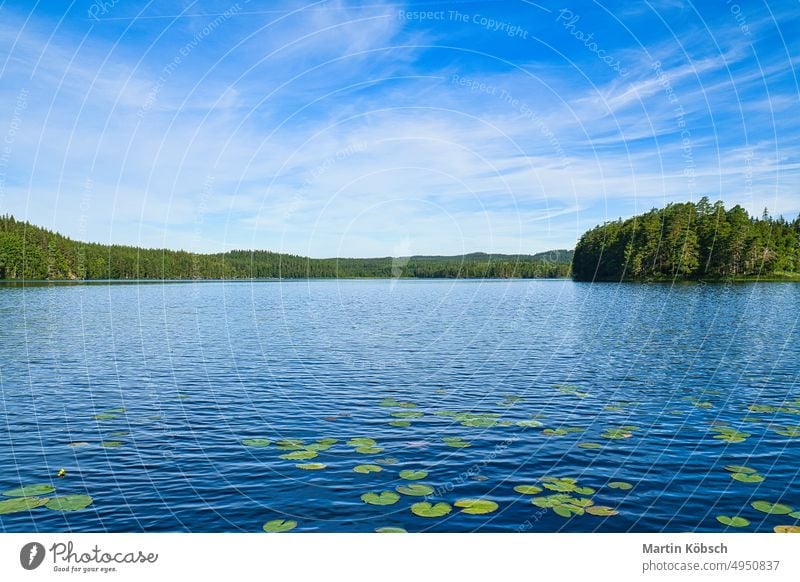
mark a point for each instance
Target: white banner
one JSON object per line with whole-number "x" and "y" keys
{"x": 403, "y": 557}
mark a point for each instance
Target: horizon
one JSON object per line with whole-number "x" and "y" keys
{"x": 385, "y": 129}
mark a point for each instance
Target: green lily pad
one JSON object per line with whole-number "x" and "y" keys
{"x": 30, "y": 490}
{"x": 601, "y": 511}
{"x": 456, "y": 442}
{"x": 69, "y": 503}
{"x": 311, "y": 466}
{"x": 585, "y": 491}
{"x": 386, "y": 461}
{"x": 528, "y": 489}
{"x": 550, "y": 501}
{"x": 302, "y": 455}
{"x": 390, "y": 529}
{"x": 279, "y": 525}
{"x": 771, "y": 508}
{"x": 78, "y": 444}
{"x": 105, "y": 416}
{"x": 425, "y": 509}
{"x": 786, "y": 529}
{"x": 568, "y": 510}
{"x": 795, "y": 514}
{"x": 747, "y": 478}
{"x": 367, "y": 469}
{"x": 740, "y": 469}
{"x": 119, "y": 433}
{"x": 590, "y": 445}
{"x": 408, "y": 414}
{"x": 476, "y": 506}
{"x": 555, "y": 431}
{"x": 620, "y": 485}
{"x": 362, "y": 442}
{"x": 415, "y": 490}
{"x": 529, "y": 423}
{"x": 111, "y": 444}
{"x": 383, "y": 498}
{"x": 733, "y": 521}
{"x": 411, "y": 475}
{"x": 289, "y": 444}
{"x": 256, "y": 442}
{"x": 369, "y": 450}
{"x": 400, "y": 423}
{"x": 19, "y": 504}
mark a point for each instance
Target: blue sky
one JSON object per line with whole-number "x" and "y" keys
{"x": 379, "y": 128}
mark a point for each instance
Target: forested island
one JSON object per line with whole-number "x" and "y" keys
{"x": 690, "y": 241}
{"x": 28, "y": 252}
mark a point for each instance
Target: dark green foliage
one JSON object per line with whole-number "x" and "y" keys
{"x": 32, "y": 253}
{"x": 689, "y": 241}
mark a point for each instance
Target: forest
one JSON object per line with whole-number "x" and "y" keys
{"x": 690, "y": 241}
{"x": 32, "y": 253}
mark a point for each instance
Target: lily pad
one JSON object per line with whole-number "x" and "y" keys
{"x": 289, "y": 444}
{"x": 733, "y": 521}
{"x": 601, "y": 511}
{"x": 311, "y": 466}
{"x": 620, "y": 485}
{"x": 740, "y": 469}
{"x": 367, "y": 469}
{"x": 383, "y": 498}
{"x": 399, "y": 424}
{"x": 19, "y": 504}
{"x": 528, "y": 489}
{"x": 411, "y": 475}
{"x": 369, "y": 450}
{"x": 786, "y": 529}
{"x": 476, "y": 506}
{"x": 456, "y": 442}
{"x": 386, "y": 461}
{"x": 362, "y": 442}
{"x": 425, "y": 509}
{"x": 795, "y": 514}
{"x": 408, "y": 414}
{"x": 78, "y": 444}
{"x": 279, "y": 525}
{"x": 390, "y": 529}
{"x": 302, "y": 455}
{"x": 256, "y": 442}
{"x": 30, "y": 490}
{"x": 111, "y": 444}
{"x": 747, "y": 478}
{"x": 590, "y": 445}
{"x": 69, "y": 503}
{"x": 415, "y": 490}
{"x": 771, "y": 508}
{"x": 529, "y": 423}
{"x": 568, "y": 510}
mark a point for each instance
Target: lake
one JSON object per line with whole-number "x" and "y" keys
{"x": 571, "y": 406}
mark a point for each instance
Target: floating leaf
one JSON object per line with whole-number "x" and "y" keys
{"x": 456, "y": 442}
{"x": 111, "y": 444}
{"x": 367, "y": 469}
{"x": 400, "y": 423}
{"x": 590, "y": 445}
{"x": 771, "y": 508}
{"x": 78, "y": 444}
{"x": 740, "y": 469}
{"x": 733, "y": 521}
{"x": 745, "y": 478}
{"x": 390, "y": 529}
{"x": 528, "y": 489}
{"x": 105, "y": 416}
{"x": 411, "y": 475}
{"x": 620, "y": 485}
{"x": 529, "y": 423}
{"x": 119, "y": 433}
{"x": 415, "y": 490}
{"x": 302, "y": 455}
{"x": 279, "y": 525}
{"x": 601, "y": 511}
{"x": 795, "y": 514}
{"x": 311, "y": 466}
{"x": 30, "y": 490}
{"x": 567, "y": 510}
{"x": 383, "y": 498}
{"x": 425, "y": 509}
{"x": 584, "y": 491}
{"x": 256, "y": 442}
{"x": 476, "y": 506}
{"x": 387, "y": 461}
{"x": 617, "y": 433}
{"x": 19, "y": 504}
{"x": 408, "y": 414}
{"x": 362, "y": 442}
{"x": 555, "y": 431}
{"x": 369, "y": 450}
{"x": 786, "y": 529}
{"x": 69, "y": 503}
{"x": 289, "y": 444}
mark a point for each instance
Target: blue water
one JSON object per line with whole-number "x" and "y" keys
{"x": 198, "y": 367}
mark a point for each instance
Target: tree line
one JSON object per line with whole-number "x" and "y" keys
{"x": 690, "y": 241}
{"x": 33, "y": 253}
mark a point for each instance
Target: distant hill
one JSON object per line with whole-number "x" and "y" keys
{"x": 33, "y": 253}
{"x": 690, "y": 241}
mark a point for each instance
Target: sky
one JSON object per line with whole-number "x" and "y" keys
{"x": 371, "y": 128}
